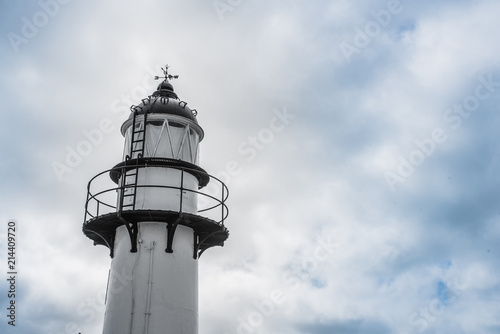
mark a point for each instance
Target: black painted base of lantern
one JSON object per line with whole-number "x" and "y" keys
{"x": 206, "y": 232}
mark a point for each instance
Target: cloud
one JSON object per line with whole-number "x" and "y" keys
{"x": 294, "y": 183}
{"x": 345, "y": 327}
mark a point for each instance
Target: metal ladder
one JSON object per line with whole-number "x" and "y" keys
{"x": 130, "y": 175}
{"x": 138, "y": 138}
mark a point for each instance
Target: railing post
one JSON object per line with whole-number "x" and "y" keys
{"x": 121, "y": 190}
{"x": 222, "y": 202}
{"x": 86, "y": 206}
{"x": 182, "y": 189}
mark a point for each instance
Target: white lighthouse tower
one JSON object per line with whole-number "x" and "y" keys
{"x": 157, "y": 211}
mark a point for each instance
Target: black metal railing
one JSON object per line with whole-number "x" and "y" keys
{"x": 105, "y": 196}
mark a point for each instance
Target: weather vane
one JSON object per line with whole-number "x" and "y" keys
{"x": 166, "y": 76}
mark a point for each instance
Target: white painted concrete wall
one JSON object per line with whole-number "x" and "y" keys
{"x": 173, "y": 298}
{"x": 155, "y": 198}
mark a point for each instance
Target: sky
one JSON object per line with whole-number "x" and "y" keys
{"x": 358, "y": 139}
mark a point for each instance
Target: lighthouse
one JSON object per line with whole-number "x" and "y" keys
{"x": 157, "y": 211}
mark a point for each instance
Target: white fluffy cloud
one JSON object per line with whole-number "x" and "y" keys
{"x": 319, "y": 242}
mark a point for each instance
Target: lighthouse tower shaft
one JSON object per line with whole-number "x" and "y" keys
{"x": 157, "y": 211}
{"x": 151, "y": 291}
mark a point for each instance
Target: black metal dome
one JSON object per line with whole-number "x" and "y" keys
{"x": 164, "y": 101}
{"x": 165, "y": 88}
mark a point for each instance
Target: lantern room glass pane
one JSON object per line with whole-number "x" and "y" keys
{"x": 126, "y": 148}
{"x": 164, "y": 139}
{"x": 157, "y": 142}
{"x": 177, "y": 131}
{"x": 194, "y": 140}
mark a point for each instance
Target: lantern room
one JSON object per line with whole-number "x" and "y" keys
{"x": 171, "y": 130}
